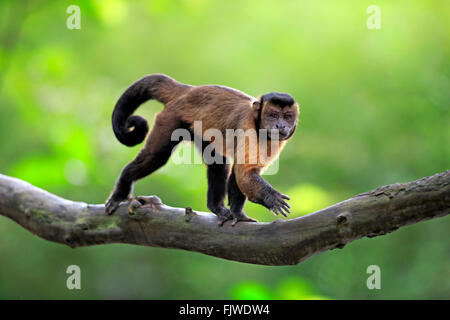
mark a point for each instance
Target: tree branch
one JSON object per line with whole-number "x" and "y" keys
{"x": 282, "y": 242}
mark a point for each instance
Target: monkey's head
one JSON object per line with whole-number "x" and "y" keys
{"x": 276, "y": 111}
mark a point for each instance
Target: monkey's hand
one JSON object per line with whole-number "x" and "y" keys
{"x": 223, "y": 214}
{"x": 241, "y": 216}
{"x": 275, "y": 202}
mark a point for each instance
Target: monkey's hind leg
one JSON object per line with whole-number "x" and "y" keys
{"x": 153, "y": 156}
{"x": 237, "y": 200}
{"x": 141, "y": 166}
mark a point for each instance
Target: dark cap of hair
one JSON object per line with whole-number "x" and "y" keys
{"x": 279, "y": 99}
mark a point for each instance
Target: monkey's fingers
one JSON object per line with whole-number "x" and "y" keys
{"x": 283, "y": 203}
{"x": 283, "y": 208}
{"x": 285, "y": 212}
{"x": 241, "y": 216}
{"x": 285, "y": 197}
{"x": 248, "y": 219}
{"x": 274, "y": 210}
{"x": 280, "y": 198}
{"x": 223, "y": 219}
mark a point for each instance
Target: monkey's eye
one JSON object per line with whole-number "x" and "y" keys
{"x": 273, "y": 115}
{"x": 288, "y": 116}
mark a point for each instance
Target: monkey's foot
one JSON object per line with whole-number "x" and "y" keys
{"x": 111, "y": 205}
{"x": 113, "y": 202}
{"x": 241, "y": 216}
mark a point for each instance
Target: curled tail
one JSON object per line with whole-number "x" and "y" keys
{"x": 131, "y": 130}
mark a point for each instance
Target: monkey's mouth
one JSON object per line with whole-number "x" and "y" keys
{"x": 276, "y": 134}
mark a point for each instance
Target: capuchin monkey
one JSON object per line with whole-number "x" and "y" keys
{"x": 217, "y": 107}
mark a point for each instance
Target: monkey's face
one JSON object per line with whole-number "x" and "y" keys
{"x": 279, "y": 114}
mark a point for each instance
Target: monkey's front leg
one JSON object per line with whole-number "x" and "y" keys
{"x": 217, "y": 175}
{"x": 236, "y": 201}
{"x": 259, "y": 191}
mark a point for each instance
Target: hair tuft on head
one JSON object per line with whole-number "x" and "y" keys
{"x": 279, "y": 99}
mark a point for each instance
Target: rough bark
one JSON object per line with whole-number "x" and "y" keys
{"x": 283, "y": 242}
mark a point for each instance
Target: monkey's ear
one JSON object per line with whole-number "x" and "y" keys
{"x": 256, "y": 106}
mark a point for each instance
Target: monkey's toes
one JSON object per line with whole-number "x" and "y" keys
{"x": 111, "y": 206}
{"x": 134, "y": 204}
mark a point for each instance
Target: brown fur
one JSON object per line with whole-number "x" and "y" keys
{"x": 218, "y": 107}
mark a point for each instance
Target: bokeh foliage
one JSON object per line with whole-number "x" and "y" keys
{"x": 375, "y": 110}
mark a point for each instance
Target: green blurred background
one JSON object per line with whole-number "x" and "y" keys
{"x": 375, "y": 111}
